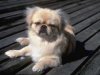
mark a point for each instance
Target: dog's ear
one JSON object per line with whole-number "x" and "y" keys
{"x": 68, "y": 30}
{"x": 66, "y": 24}
{"x": 29, "y": 13}
{"x": 64, "y": 16}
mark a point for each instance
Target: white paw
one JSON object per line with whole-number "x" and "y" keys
{"x": 21, "y": 40}
{"x": 12, "y": 53}
{"x": 38, "y": 68}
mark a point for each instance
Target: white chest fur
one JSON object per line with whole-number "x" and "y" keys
{"x": 42, "y": 48}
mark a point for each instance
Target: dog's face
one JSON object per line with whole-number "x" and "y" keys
{"x": 45, "y": 23}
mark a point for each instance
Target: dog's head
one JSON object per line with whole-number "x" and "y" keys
{"x": 45, "y": 22}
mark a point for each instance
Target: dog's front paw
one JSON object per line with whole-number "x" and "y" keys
{"x": 22, "y": 41}
{"x": 38, "y": 67}
{"x": 12, "y": 53}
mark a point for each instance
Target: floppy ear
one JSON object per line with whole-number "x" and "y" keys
{"x": 29, "y": 13}
{"x": 68, "y": 30}
{"x": 65, "y": 22}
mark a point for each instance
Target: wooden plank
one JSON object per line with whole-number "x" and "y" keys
{"x": 1, "y": 1}
{"x": 13, "y": 65}
{"x": 10, "y": 14}
{"x": 3, "y": 58}
{"x": 28, "y": 71}
{"x": 81, "y": 6}
{"x": 87, "y": 33}
{"x": 22, "y": 5}
{"x": 18, "y": 22}
{"x": 11, "y": 39}
{"x": 66, "y": 69}
{"x": 9, "y": 47}
{"x": 84, "y": 16}
{"x": 14, "y": 15}
{"x": 84, "y": 24}
{"x": 59, "y": 4}
{"x": 25, "y": 3}
{"x": 7, "y": 3}
{"x": 14, "y": 7}
{"x": 75, "y": 4}
{"x": 89, "y": 8}
{"x": 10, "y": 19}
{"x": 92, "y": 66}
{"x": 13, "y": 30}
{"x": 67, "y": 4}
{"x": 7, "y": 18}
{"x": 94, "y": 42}
{"x": 4, "y": 15}
{"x": 58, "y": 70}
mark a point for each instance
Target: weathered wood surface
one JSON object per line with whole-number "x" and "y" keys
{"x": 85, "y": 17}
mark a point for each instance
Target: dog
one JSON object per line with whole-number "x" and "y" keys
{"x": 50, "y": 34}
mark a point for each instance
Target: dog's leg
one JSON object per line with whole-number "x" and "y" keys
{"x": 48, "y": 61}
{"x": 16, "y": 53}
{"x": 23, "y": 40}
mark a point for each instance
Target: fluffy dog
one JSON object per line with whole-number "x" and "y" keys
{"x": 49, "y": 36}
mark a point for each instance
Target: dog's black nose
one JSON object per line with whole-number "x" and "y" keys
{"x": 43, "y": 27}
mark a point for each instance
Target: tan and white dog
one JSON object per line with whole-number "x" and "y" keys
{"x": 49, "y": 36}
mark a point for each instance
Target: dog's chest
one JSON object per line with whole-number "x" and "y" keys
{"x": 40, "y": 48}
{"x": 44, "y": 48}
{"x": 39, "y": 51}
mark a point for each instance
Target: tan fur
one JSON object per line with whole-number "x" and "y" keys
{"x": 23, "y": 41}
{"x": 46, "y": 51}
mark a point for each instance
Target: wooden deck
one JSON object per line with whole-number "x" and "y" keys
{"x": 85, "y": 17}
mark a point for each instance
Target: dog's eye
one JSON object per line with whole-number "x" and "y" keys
{"x": 37, "y": 23}
{"x": 52, "y": 25}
